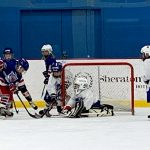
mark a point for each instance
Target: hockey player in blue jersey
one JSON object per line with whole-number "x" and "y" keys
{"x": 8, "y": 56}
{"x": 49, "y": 59}
{"x": 11, "y": 80}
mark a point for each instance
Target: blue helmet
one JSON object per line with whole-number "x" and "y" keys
{"x": 57, "y": 66}
{"x": 7, "y": 51}
{"x": 23, "y": 63}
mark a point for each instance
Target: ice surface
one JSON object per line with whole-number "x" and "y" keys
{"x": 120, "y": 132}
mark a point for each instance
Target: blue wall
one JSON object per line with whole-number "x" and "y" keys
{"x": 78, "y": 28}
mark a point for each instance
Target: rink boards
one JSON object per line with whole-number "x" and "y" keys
{"x": 34, "y": 80}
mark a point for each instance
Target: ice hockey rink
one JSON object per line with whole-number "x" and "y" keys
{"x": 119, "y": 132}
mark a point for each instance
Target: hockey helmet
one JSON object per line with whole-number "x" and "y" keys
{"x": 47, "y": 47}
{"x": 56, "y": 67}
{"x": 23, "y": 63}
{"x": 146, "y": 49}
{"x": 7, "y": 51}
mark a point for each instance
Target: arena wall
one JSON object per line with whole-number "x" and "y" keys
{"x": 75, "y": 28}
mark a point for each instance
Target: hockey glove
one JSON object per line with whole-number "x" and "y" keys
{"x": 46, "y": 75}
{"x": 46, "y": 81}
{"x": 146, "y": 82}
{"x": 12, "y": 87}
{"x": 67, "y": 109}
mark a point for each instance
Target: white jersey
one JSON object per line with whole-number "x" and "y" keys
{"x": 87, "y": 96}
{"x": 54, "y": 86}
{"x": 146, "y": 70}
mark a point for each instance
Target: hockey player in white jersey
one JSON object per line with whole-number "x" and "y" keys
{"x": 53, "y": 95}
{"x": 83, "y": 99}
{"x": 146, "y": 64}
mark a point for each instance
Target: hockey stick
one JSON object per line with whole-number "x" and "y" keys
{"x": 17, "y": 111}
{"x": 33, "y": 116}
{"x": 43, "y": 90}
{"x": 48, "y": 109}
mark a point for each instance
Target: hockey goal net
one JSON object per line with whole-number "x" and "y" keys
{"x": 111, "y": 82}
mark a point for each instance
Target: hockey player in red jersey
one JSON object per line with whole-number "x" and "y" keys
{"x": 11, "y": 81}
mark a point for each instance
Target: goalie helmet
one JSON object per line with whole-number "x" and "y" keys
{"x": 80, "y": 84}
{"x": 56, "y": 67}
{"x": 47, "y": 47}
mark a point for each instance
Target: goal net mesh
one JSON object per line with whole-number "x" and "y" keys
{"x": 112, "y": 83}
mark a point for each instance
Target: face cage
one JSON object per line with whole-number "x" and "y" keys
{"x": 8, "y": 56}
{"x": 145, "y": 56}
{"x": 45, "y": 52}
{"x": 56, "y": 74}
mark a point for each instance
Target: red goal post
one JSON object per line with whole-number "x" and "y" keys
{"x": 111, "y": 82}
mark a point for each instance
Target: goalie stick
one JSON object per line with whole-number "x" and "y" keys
{"x": 97, "y": 113}
{"x": 31, "y": 115}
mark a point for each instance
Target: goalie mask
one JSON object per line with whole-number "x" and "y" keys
{"x": 80, "y": 84}
{"x": 145, "y": 52}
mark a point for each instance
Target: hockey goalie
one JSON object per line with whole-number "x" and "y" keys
{"x": 83, "y": 102}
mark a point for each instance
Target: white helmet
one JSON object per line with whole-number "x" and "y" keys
{"x": 47, "y": 47}
{"x": 80, "y": 84}
{"x": 146, "y": 49}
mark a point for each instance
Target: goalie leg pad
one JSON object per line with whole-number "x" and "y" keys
{"x": 79, "y": 106}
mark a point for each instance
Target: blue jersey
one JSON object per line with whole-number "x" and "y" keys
{"x": 48, "y": 62}
{"x": 9, "y": 74}
{"x": 10, "y": 65}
